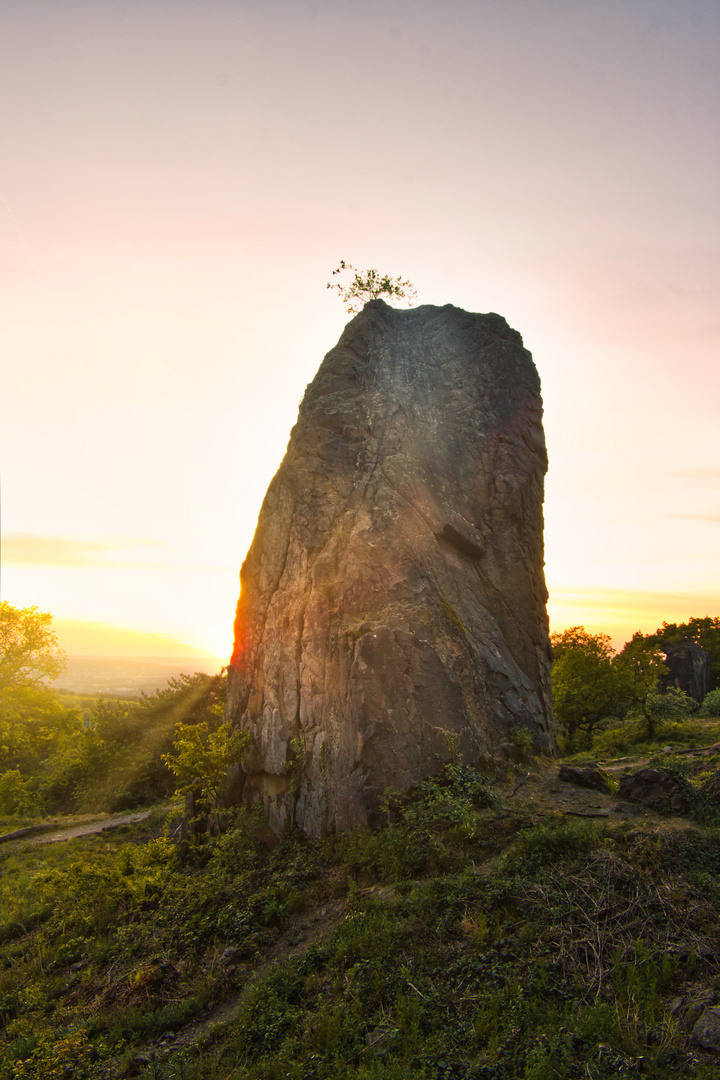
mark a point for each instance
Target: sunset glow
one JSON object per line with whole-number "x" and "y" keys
{"x": 180, "y": 180}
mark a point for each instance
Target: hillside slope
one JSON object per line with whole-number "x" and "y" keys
{"x": 512, "y": 926}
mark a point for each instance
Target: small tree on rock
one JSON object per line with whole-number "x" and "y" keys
{"x": 370, "y": 285}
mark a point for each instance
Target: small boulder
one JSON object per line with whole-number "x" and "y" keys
{"x": 691, "y": 1005}
{"x": 706, "y": 1032}
{"x": 658, "y": 789}
{"x": 230, "y": 955}
{"x": 593, "y": 777}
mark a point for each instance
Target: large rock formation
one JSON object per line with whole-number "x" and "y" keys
{"x": 688, "y": 668}
{"x": 392, "y": 609}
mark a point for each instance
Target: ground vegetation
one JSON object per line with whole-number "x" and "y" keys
{"x": 503, "y": 925}
{"x": 487, "y": 928}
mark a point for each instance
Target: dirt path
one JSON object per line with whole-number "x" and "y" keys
{"x": 50, "y": 834}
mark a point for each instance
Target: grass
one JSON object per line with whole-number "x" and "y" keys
{"x": 617, "y": 740}
{"x": 462, "y": 939}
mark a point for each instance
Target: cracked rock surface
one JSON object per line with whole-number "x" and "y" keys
{"x": 392, "y": 610}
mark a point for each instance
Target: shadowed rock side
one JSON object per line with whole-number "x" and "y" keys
{"x": 688, "y": 668}
{"x": 392, "y": 610}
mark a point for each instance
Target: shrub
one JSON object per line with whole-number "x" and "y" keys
{"x": 711, "y": 704}
{"x": 552, "y": 842}
{"x": 669, "y": 704}
{"x": 15, "y": 794}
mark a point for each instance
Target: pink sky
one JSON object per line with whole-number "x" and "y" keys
{"x": 180, "y": 179}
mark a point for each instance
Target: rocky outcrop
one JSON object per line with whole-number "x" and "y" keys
{"x": 658, "y": 789}
{"x": 392, "y": 608}
{"x": 688, "y": 668}
{"x": 594, "y": 778}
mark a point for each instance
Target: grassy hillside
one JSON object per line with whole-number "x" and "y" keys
{"x": 508, "y": 926}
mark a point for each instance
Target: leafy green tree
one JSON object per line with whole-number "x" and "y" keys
{"x": 201, "y": 758}
{"x": 711, "y": 704}
{"x": 584, "y": 682}
{"x": 16, "y": 796}
{"x": 118, "y": 763}
{"x": 188, "y": 699}
{"x": 592, "y": 682}
{"x": 369, "y": 285}
{"x": 29, "y": 653}
{"x": 34, "y": 722}
{"x": 639, "y": 666}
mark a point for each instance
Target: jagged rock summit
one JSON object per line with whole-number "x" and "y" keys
{"x": 392, "y": 610}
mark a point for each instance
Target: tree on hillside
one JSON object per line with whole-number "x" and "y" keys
{"x": 639, "y": 666}
{"x": 29, "y": 653}
{"x": 590, "y": 681}
{"x": 126, "y": 744}
{"x": 33, "y": 720}
{"x": 583, "y": 681}
{"x": 369, "y": 285}
{"x": 201, "y": 759}
{"x": 191, "y": 699}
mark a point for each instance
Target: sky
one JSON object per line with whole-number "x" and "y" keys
{"x": 178, "y": 181}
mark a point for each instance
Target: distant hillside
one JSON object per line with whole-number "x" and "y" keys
{"x": 128, "y": 675}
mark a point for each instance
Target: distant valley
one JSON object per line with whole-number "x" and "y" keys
{"x": 129, "y": 676}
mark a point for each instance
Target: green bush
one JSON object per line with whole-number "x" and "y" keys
{"x": 16, "y": 795}
{"x": 711, "y": 704}
{"x": 670, "y": 704}
{"x": 433, "y": 827}
{"x": 555, "y": 841}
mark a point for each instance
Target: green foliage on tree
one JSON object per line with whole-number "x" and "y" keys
{"x": 639, "y": 666}
{"x": 670, "y": 704}
{"x": 29, "y": 653}
{"x": 16, "y": 796}
{"x": 119, "y": 763}
{"x": 711, "y": 704}
{"x": 584, "y": 686}
{"x": 34, "y": 722}
{"x": 369, "y": 285}
{"x": 200, "y": 760}
{"x": 591, "y": 682}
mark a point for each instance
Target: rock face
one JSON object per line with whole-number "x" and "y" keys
{"x": 688, "y": 668}
{"x": 392, "y": 609}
